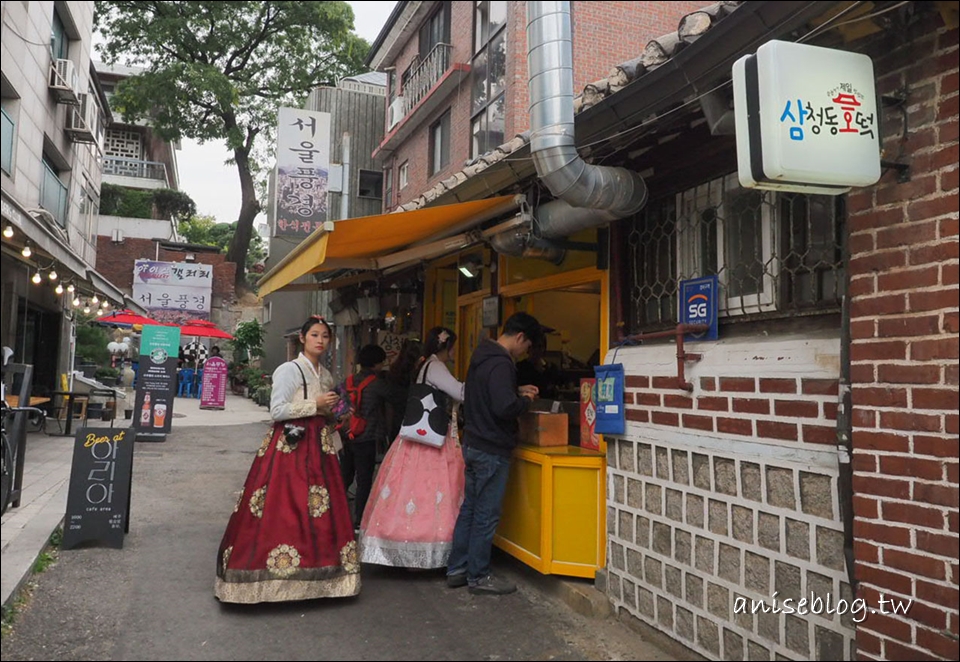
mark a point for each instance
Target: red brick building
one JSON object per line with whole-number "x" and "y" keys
{"x": 435, "y": 73}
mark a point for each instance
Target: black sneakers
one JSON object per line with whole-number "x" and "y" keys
{"x": 457, "y": 580}
{"x": 491, "y": 585}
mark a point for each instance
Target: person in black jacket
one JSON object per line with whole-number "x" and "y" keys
{"x": 359, "y": 456}
{"x": 492, "y": 405}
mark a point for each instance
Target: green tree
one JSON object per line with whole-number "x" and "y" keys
{"x": 220, "y": 71}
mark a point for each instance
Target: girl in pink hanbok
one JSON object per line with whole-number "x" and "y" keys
{"x": 416, "y": 496}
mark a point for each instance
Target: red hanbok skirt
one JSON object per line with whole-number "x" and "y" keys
{"x": 290, "y": 536}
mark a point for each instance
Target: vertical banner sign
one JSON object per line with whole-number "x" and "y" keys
{"x": 98, "y": 501}
{"x": 303, "y": 165}
{"x": 156, "y": 380}
{"x": 173, "y": 292}
{"x": 213, "y": 387}
{"x": 588, "y": 415}
{"x": 698, "y": 305}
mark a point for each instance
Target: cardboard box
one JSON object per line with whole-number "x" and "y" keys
{"x": 541, "y": 428}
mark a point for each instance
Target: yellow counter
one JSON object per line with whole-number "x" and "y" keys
{"x": 554, "y": 514}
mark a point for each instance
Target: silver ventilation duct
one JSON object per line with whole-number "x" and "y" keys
{"x": 589, "y": 195}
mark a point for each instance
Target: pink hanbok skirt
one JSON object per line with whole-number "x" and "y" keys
{"x": 413, "y": 506}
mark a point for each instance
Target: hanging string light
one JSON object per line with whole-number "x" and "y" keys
{"x": 99, "y": 312}
{"x": 59, "y": 288}
{"x": 27, "y": 251}
{"x": 36, "y": 278}
{"x": 86, "y": 309}
{"x": 8, "y": 231}
{"x": 70, "y": 288}
{"x": 76, "y": 301}
{"x": 105, "y": 304}
{"x": 53, "y": 274}
{"x": 94, "y": 300}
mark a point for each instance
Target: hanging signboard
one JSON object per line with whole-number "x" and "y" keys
{"x": 98, "y": 499}
{"x": 806, "y": 118}
{"x": 698, "y": 305}
{"x": 173, "y": 292}
{"x": 303, "y": 166}
{"x": 213, "y": 387}
{"x": 156, "y": 381}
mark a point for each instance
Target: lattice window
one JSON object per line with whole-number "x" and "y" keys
{"x": 774, "y": 253}
{"x": 123, "y": 144}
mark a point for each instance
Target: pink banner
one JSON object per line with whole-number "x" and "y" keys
{"x": 213, "y": 388}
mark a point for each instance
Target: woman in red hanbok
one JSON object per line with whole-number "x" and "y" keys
{"x": 290, "y": 536}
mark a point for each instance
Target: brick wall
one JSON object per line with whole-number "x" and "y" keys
{"x": 729, "y": 494}
{"x": 115, "y": 261}
{"x": 604, "y": 35}
{"x": 904, "y": 265}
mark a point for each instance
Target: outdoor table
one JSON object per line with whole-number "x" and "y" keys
{"x": 70, "y": 397}
{"x": 14, "y": 400}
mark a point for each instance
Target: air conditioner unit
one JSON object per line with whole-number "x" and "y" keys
{"x": 395, "y": 113}
{"x": 83, "y": 123}
{"x": 64, "y": 82}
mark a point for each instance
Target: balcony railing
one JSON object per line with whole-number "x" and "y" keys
{"x": 121, "y": 167}
{"x": 426, "y": 75}
{"x": 53, "y": 195}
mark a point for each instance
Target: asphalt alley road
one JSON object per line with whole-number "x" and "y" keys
{"x": 153, "y": 599}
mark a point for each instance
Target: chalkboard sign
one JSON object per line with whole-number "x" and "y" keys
{"x": 98, "y": 503}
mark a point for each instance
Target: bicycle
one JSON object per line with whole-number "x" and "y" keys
{"x": 9, "y": 452}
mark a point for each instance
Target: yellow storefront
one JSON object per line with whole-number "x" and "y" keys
{"x": 554, "y": 514}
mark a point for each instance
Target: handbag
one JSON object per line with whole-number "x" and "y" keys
{"x": 427, "y": 416}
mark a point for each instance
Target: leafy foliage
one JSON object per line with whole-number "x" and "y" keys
{"x": 92, "y": 343}
{"x": 248, "y": 339}
{"x": 138, "y": 203}
{"x": 220, "y": 71}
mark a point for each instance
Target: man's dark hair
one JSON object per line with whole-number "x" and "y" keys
{"x": 524, "y": 323}
{"x": 371, "y": 355}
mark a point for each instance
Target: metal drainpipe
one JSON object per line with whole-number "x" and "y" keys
{"x": 845, "y": 421}
{"x": 588, "y": 195}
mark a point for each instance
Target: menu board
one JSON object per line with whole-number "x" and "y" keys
{"x": 156, "y": 381}
{"x": 98, "y": 500}
{"x": 213, "y": 387}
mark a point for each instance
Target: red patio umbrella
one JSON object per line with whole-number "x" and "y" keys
{"x": 125, "y": 318}
{"x": 203, "y": 329}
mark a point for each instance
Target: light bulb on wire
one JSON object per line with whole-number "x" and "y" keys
{"x": 76, "y": 301}
{"x": 59, "y": 289}
{"x": 70, "y": 288}
{"x": 99, "y": 312}
{"x": 27, "y": 251}
{"x": 105, "y": 304}
{"x": 53, "y": 274}
{"x": 8, "y": 232}
{"x": 86, "y": 309}
{"x": 36, "y": 278}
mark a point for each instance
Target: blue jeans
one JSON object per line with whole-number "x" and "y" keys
{"x": 486, "y": 481}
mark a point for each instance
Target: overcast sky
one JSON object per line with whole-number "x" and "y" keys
{"x": 215, "y": 187}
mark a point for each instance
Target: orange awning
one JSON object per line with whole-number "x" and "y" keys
{"x": 358, "y": 243}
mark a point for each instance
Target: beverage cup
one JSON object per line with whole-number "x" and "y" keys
{"x": 159, "y": 414}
